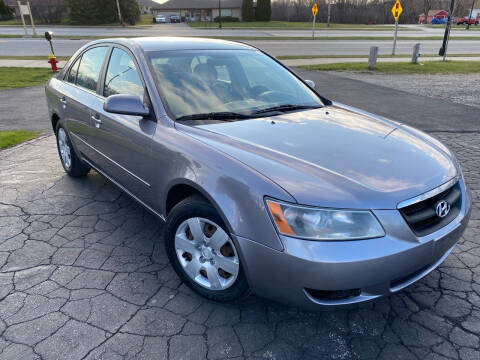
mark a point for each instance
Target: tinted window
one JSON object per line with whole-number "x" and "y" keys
{"x": 72, "y": 75}
{"x": 90, "y": 67}
{"x": 122, "y": 76}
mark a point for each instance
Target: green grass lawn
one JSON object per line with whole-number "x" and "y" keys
{"x": 145, "y": 19}
{"x": 295, "y": 57}
{"x": 11, "y": 22}
{"x": 454, "y": 27}
{"x": 429, "y": 67}
{"x": 278, "y": 38}
{"x": 14, "y": 137}
{"x": 287, "y": 25}
{"x": 14, "y": 77}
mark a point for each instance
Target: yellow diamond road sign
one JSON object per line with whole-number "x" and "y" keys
{"x": 397, "y": 10}
{"x": 314, "y": 9}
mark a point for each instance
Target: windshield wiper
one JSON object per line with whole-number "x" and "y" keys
{"x": 225, "y": 115}
{"x": 286, "y": 107}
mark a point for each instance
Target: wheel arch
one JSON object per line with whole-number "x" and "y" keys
{"x": 54, "y": 119}
{"x": 181, "y": 189}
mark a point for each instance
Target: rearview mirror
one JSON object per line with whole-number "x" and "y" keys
{"x": 310, "y": 83}
{"x": 126, "y": 105}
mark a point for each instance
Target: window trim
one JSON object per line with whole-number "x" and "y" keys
{"x": 146, "y": 97}
{"x": 137, "y": 68}
{"x": 101, "y": 81}
{"x": 79, "y": 57}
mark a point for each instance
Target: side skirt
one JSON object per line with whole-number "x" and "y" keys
{"x": 125, "y": 190}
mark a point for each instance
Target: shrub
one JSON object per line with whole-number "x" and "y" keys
{"x": 226, "y": 19}
{"x": 263, "y": 11}
{"x": 5, "y": 11}
{"x": 248, "y": 13}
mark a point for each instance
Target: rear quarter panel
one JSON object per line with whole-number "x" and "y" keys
{"x": 53, "y": 92}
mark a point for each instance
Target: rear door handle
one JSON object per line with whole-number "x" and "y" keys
{"x": 96, "y": 120}
{"x": 63, "y": 101}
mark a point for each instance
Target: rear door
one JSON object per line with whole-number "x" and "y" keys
{"x": 79, "y": 91}
{"x": 123, "y": 142}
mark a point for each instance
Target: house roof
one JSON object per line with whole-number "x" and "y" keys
{"x": 198, "y": 4}
{"x": 434, "y": 12}
{"x": 149, "y": 3}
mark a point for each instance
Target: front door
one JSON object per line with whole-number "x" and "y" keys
{"x": 123, "y": 142}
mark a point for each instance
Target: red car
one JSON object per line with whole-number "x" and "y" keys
{"x": 467, "y": 20}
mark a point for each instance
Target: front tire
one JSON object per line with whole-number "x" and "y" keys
{"x": 71, "y": 163}
{"x": 202, "y": 253}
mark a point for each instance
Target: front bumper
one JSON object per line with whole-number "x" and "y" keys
{"x": 362, "y": 270}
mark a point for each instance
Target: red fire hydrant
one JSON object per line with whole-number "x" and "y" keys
{"x": 53, "y": 62}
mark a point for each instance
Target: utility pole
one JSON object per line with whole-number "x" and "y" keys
{"x": 219, "y": 15}
{"x": 329, "y": 12}
{"x": 446, "y": 36}
{"x": 119, "y": 13}
{"x": 470, "y": 16}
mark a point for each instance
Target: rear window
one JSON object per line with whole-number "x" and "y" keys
{"x": 90, "y": 67}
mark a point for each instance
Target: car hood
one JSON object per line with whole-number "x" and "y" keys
{"x": 336, "y": 157}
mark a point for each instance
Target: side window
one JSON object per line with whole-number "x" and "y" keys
{"x": 72, "y": 75}
{"x": 122, "y": 76}
{"x": 90, "y": 67}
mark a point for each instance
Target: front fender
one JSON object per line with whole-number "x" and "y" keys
{"x": 233, "y": 188}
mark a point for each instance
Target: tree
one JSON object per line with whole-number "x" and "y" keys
{"x": 427, "y": 5}
{"x": 5, "y": 11}
{"x": 264, "y": 10}
{"x": 130, "y": 11}
{"x": 103, "y": 11}
{"x": 247, "y": 10}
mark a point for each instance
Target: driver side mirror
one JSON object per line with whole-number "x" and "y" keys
{"x": 126, "y": 105}
{"x": 310, "y": 83}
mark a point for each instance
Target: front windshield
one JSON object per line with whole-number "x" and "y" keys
{"x": 226, "y": 81}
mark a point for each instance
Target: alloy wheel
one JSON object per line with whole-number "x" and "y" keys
{"x": 206, "y": 253}
{"x": 65, "y": 153}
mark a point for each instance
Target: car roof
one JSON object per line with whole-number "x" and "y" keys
{"x": 181, "y": 43}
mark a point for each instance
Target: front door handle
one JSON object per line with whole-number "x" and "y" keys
{"x": 63, "y": 101}
{"x": 96, "y": 120}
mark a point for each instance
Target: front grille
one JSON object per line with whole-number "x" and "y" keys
{"x": 422, "y": 217}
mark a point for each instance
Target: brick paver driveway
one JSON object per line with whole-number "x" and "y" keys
{"x": 84, "y": 275}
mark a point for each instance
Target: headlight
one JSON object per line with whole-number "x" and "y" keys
{"x": 323, "y": 224}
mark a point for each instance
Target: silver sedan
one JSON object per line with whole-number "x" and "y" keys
{"x": 264, "y": 185}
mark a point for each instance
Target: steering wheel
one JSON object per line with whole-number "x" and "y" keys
{"x": 221, "y": 90}
{"x": 276, "y": 96}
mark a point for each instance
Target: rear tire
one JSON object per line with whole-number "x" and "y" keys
{"x": 71, "y": 163}
{"x": 202, "y": 253}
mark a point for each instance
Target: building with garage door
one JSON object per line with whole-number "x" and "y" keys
{"x": 200, "y": 10}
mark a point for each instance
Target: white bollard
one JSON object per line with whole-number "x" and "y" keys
{"x": 372, "y": 59}
{"x": 416, "y": 53}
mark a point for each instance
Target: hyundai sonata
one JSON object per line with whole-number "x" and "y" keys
{"x": 265, "y": 186}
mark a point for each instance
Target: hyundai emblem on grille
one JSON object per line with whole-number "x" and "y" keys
{"x": 442, "y": 209}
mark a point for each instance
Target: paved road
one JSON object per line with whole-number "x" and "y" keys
{"x": 185, "y": 30}
{"x": 83, "y": 274}
{"x": 66, "y": 47}
{"x": 419, "y": 111}
{"x": 24, "y": 109}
